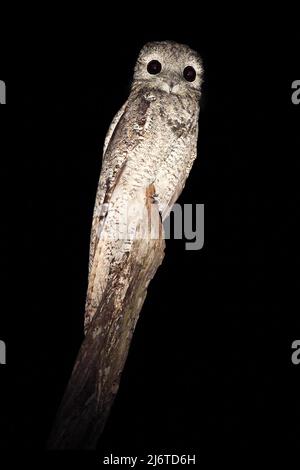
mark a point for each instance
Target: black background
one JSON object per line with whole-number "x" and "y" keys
{"x": 210, "y": 363}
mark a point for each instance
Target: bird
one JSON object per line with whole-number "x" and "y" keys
{"x": 151, "y": 142}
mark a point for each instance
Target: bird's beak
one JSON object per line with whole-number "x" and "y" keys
{"x": 170, "y": 86}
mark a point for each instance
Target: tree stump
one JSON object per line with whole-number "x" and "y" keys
{"x": 96, "y": 375}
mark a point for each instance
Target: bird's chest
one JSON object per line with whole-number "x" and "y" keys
{"x": 158, "y": 122}
{"x": 161, "y": 117}
{"x": 172, "y": 115}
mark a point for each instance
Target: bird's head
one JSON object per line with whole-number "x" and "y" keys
{"x": 170, "y": 67}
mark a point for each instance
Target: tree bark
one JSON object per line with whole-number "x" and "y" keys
{"x": 96, "y": 375}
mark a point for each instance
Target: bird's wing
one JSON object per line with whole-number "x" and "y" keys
{"x": 112, "y": 127}
{"x": 126, "y": 132}
{"x": 102, "y": 185}
{"x": 129, "y": 131}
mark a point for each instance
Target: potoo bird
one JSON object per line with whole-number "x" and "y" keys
{"x": 151, "y": 141}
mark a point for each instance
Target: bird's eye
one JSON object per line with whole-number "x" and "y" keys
{"x": 189, "y": 73}
{"x": 154, "y": 67}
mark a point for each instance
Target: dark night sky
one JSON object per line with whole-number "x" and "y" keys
{"x": 209, "y": 366}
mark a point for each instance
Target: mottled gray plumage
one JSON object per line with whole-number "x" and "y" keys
{"x": 152, "y": 139}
